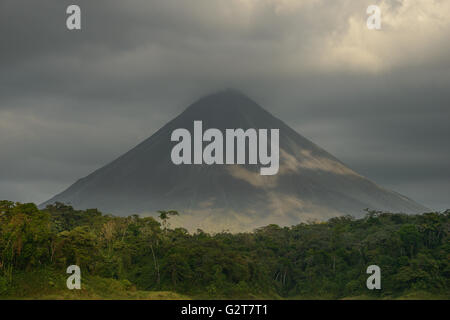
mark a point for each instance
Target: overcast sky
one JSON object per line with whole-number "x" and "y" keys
{"x": 72, "y": 101}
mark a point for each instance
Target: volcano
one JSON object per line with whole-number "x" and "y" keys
{"x": 311, "y": 184}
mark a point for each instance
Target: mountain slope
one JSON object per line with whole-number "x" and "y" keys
{"x": 311, "y": 183}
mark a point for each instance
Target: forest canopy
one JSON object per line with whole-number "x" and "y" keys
{"x": 327, "y": 259}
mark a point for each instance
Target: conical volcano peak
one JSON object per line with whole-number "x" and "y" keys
{"x": 310, "y": 183}
{"x": 229, "y": 108}
{"x": 228, "y": 99}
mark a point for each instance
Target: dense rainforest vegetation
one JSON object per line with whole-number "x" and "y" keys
{"x": 310, "y": 260}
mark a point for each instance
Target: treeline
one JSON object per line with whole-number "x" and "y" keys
{"x": 326, "y": 259}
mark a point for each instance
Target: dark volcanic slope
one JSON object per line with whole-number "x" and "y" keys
{"x": 311, "y": 183}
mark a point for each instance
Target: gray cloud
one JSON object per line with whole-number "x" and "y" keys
{"x": 73, "y": 101}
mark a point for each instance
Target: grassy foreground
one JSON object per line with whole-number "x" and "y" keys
{"x": 48, "y": 285}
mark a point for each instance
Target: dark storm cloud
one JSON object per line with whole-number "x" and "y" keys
{"x": 73, "y": 101}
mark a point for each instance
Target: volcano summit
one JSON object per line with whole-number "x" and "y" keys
{"x": 310, "y": 183}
